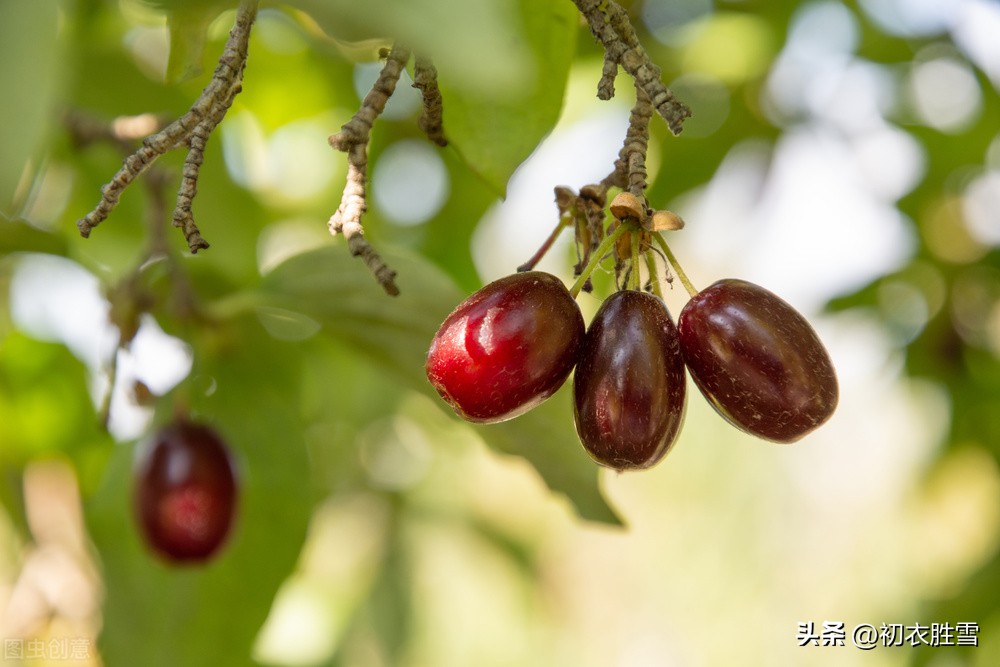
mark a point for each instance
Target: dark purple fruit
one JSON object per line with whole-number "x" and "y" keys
{"x": 629, "y": 387}
{"x": 185, "y": 491}
{"x": 757, "y": 361}
{"x": 507, "y": 347}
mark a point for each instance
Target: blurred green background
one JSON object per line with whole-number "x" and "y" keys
{"x": 845, "y": 155}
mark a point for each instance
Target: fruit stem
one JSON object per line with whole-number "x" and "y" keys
{"x": 653, "y": 278}
{"x": 674, "y": 263}
{"x": 530, "y": 264}
{"x": 635, "y": 281}
{"x": 595, "y": 259}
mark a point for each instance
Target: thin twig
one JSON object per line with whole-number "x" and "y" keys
{"x": 353, "y": 139}
{"x": 632, "y": 157}
{"x": 606, "y": 86}
{"x": 111, "y": 375}
{"x": 431, "y": 118}
{"x": 123, "y": 131}
{"x": 612, "y": 27}
{"x": 183, "y": 217}
{"x": 191, "y": 129}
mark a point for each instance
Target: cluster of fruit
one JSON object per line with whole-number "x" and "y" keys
{"x": 512, "y": 344}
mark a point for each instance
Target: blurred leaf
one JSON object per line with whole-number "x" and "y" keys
{"x": 456, "y": 223}
{"x": 480, "y": 39}
{"x": 977, "y": 603}
{"x": 29, "y": 60}
{"x": 19, "y": 236}
{"x": 45, "y": 411}
{"x": 390, "y": 603}
{"x": 335, "y": 289}
{"x": 182, "y": 5}
{"x": 156, "y": 614}
{"x": 188, "y": 26}
{"x": 547, "y": 438}
{"x": 332, "y": 288}
{"x": 38, "y": 380}
{"x": 496, "y": 129}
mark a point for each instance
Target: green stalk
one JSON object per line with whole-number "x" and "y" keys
{"x": 651, "y": 267}
{"x": 673, "y": 262}
{"x": 595, "y": 259}
{"x": 635, "y": 282}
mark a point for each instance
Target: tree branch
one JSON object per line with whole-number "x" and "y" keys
{"x": 611, "y": 26}
{"x": 431, "y": 118}
{"x": 191, "y": 129}
{"x": 353, "y": 139}
{"x": 632, "y": 157}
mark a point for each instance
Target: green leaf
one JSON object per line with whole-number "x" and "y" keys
{"x": 39, "y": 380}
{"x": 496, "y": 128}
{"x": 502, "y": 68}
{"x": 29, "y": 60}
{"x": 188, "y": 32}
{"x": 480, "y": 39}
{"x": 188, "y": 22}
{"x": 157, "y": 614}
{"x": 333, "y": 288}
{"x": 547, "y": 438}
{"x": 19, "y": 236}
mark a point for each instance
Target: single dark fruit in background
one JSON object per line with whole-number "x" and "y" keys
{"x": 629, "y": 387}
{"x": 507, "y": 347}
{"x": 185, "y": 491}
{"x": 757, "y": 361}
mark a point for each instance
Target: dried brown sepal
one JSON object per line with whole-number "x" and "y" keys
{"x": 594, "y": 194}
{"x": 627, "y": 206}
{"x": 666, "y": 221}
{"x": 565, "y": 198}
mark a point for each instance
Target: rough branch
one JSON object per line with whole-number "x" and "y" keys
{"x": 612, "y": 27}
{"x": 431, "y": 118}
{"x": 353, "y": 139}
{"x": 632, "y": 157}
{"x": 191, "y": 130}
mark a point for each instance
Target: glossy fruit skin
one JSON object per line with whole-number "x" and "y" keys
{"x": 629, "y": 389}
{"x": 757, "y": 361}
{"x": 506, "y": 348}
{"x": 185, "y": 492}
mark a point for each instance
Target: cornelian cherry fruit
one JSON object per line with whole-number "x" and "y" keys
{"x": 185, "y": 492}
{"x": 757, "y": 361}
{"x": 629, "y": 388}
{"x": 506, "y": 348}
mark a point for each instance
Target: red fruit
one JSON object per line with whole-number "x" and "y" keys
{"x": 629, "y": 387}
{"x": 507, "y": 347}
{"x": 757, "y": 361}
{"x": 185, "y": 493}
